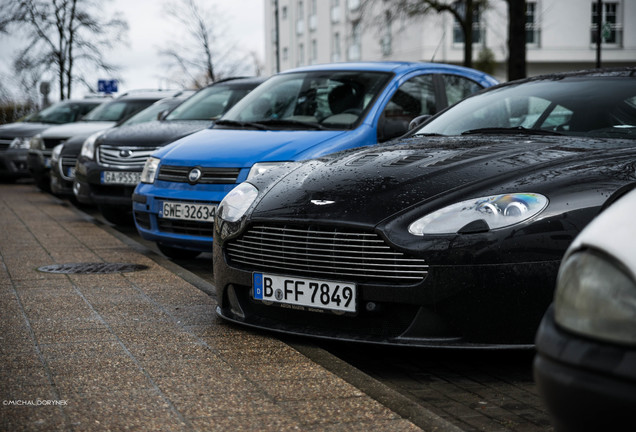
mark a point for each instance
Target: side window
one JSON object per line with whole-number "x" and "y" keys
{"x": 413, "y": 98}
{"x": 458, "y": 87}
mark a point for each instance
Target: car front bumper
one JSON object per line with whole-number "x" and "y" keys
{"x": 13, "y": 163}
{"x": 586, "y": 385}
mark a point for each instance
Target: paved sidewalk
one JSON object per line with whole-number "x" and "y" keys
{"x": 141, "y": 350}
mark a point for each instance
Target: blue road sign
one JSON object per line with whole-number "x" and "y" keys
{"x": 107, "y": 86}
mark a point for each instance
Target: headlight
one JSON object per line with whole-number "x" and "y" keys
{"x": 55, "y": 154}
{"x": 237, "y": 202}
{"x": 481, "y": 214}
{"x": 595, "y": 297}
{"x": 88, "y": 148}
{"x": 150, "y": 170}
{"x": 261, "y": 167}
{"x": 20, "y": 143}
{"x": 36, "y": 143}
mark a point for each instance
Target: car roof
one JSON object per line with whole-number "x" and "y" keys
{"x": 149, "y": 94}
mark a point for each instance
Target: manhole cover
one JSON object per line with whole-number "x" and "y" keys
{"x": 92, "y": 268}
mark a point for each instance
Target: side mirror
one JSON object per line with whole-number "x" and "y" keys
{"x": 418, "y": 121}
{"x": 161, "y": 115}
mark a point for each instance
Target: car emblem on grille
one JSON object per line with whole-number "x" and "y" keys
{"x": 322, "y": 202}
{"x": 194, "y": 175}
{"x": 125, "y": 153}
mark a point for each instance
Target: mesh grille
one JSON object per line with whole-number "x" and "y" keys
{"x": 129, "y": 157}
{"x": 203, "y": 229}
{"x": 324, "y": 252}
{"x": 179, "y": 174}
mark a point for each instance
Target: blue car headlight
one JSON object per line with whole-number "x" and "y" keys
{"x": 481, "y": 214}
{"x": 596, "y": 297}
{"x": 237, "y": 202}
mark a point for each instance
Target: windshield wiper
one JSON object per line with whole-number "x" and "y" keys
{"x": 290, "y": 122}
{"x": 511, "y": 130}
{"x": 240, "y": 124}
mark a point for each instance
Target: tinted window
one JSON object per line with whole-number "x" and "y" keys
{"x": 458, "y": 88}
{"x": 117, "y": 110}
{"x": 63, "y": 112}
{"x": 588, "y": 106}
{"x": 209, "y": 103}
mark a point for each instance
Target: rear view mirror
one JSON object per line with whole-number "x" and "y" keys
{"x": 419, "y": 120}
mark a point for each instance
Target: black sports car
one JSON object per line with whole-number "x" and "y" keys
{"x": 450, "y": 237}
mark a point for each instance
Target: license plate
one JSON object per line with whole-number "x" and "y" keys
{"x": 121, "y": 177}
{"x": 187, "y": 211}
{"x": 312, "y": 293}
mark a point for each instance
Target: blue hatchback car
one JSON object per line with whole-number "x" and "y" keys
{"x": 299, "y": 114}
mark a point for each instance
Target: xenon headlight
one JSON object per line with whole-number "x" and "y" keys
{"x": 20, "y": 143}
{"x": 88, "y": 148}
{"x": 596, "y": 297}
{"x": 237, "y": 202}
{"x": 149, "y": 172}
{"x": 262, "y": 167}
{"x": 55, "y": 154}
{"x": 481, "y": 214}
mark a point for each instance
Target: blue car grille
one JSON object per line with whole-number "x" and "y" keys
{"x": 325, "y": 252}
{"x": 179, "y": 174}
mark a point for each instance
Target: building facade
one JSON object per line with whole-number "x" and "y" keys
{"x": 560, "y": 34}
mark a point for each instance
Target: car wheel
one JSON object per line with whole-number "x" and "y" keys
{"x": 177, "y": 253}
{"x": 118, "y": 215}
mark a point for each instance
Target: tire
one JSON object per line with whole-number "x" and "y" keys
{"x": 118, "y": 215}
{"x": 177, "y": 253}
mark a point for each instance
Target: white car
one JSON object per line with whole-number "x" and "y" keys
{"x": 585, "y": 368}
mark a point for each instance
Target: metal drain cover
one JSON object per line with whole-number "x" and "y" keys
{"x": 92, "y": 268}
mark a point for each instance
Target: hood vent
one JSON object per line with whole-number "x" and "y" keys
{"x": 362, "y": 160}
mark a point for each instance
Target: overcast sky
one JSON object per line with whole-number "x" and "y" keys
{"x": 149, "y": 30}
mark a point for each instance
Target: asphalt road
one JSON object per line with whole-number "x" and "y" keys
{"x": 473, "y": 390}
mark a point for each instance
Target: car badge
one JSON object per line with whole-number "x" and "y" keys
{"x": 322, "y": 202}
{"x": 194, "y": 175}
{"x": 125, "y": 153}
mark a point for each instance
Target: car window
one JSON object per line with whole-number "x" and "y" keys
{"x": 117, "y": 110}
{"x": 209, "y": 103}
{"x": 63, "y": 112}
{"x": 458, "y": 88}
{"x": 329, "y": 99}
{"x": 150, "y": 113}
{"x": 588, "y": 106}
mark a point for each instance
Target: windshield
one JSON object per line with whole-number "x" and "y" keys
{"x": 582, "y": 106}
{"x": 322, "y": 99}
{"x": 63, "y": 112}
{"x": 118, "y": 110}
{"x": 152, "y": 111}
{"x": 209, "y": 103}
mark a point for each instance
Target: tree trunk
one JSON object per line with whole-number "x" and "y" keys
{"x": 516, "y": 39}
{"x": 467, "y": 25}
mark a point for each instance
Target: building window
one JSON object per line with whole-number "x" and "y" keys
{"x": 386, "y": 42}
{"x": 300, "y": 61}
{"x": 353, "y": 4}
{"x": 356, "y": 38}
{"x": 335, "y": 49}
{"x": 532, "y": 28}
{"x": 300, "y": 18}
{"x": 283, "y": 12}
{"x": 335, "y": 11}
{"x": 458, "y": 34}
{"x": 611, "y": 27}
{"x": 314, "y": 51}
{"x": 285, "y": 54}
{"x": 313, "y": 15}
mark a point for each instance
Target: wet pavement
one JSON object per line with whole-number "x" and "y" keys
{"x": 143, "y": 350}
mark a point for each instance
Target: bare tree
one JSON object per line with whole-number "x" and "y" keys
{"x": 462, "y": 10}
{"x": 516, "y": 39}
{"x": 63, "y": 35}
{"x": 202, "y": 54}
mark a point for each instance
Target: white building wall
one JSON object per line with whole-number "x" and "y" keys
{"x": 564, "y": 35}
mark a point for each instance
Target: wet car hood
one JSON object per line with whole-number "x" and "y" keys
{"x": 368, "y": 186}
{"x": 77, "y": 128}
{"x": 22, "y": 129}
{"x": 241, "y": 148}
{"x": 152, "y": 134}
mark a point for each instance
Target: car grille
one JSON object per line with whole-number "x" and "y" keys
{"x": 179, "y": 174}
{"x": 67, "y": 162}
{"x": 125, "y": 157}
{"x": 49, "y": 143}
{"x": 202, "y": 229}
{"x": 5, "y": 143}
{"x": 325, "y": 252}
